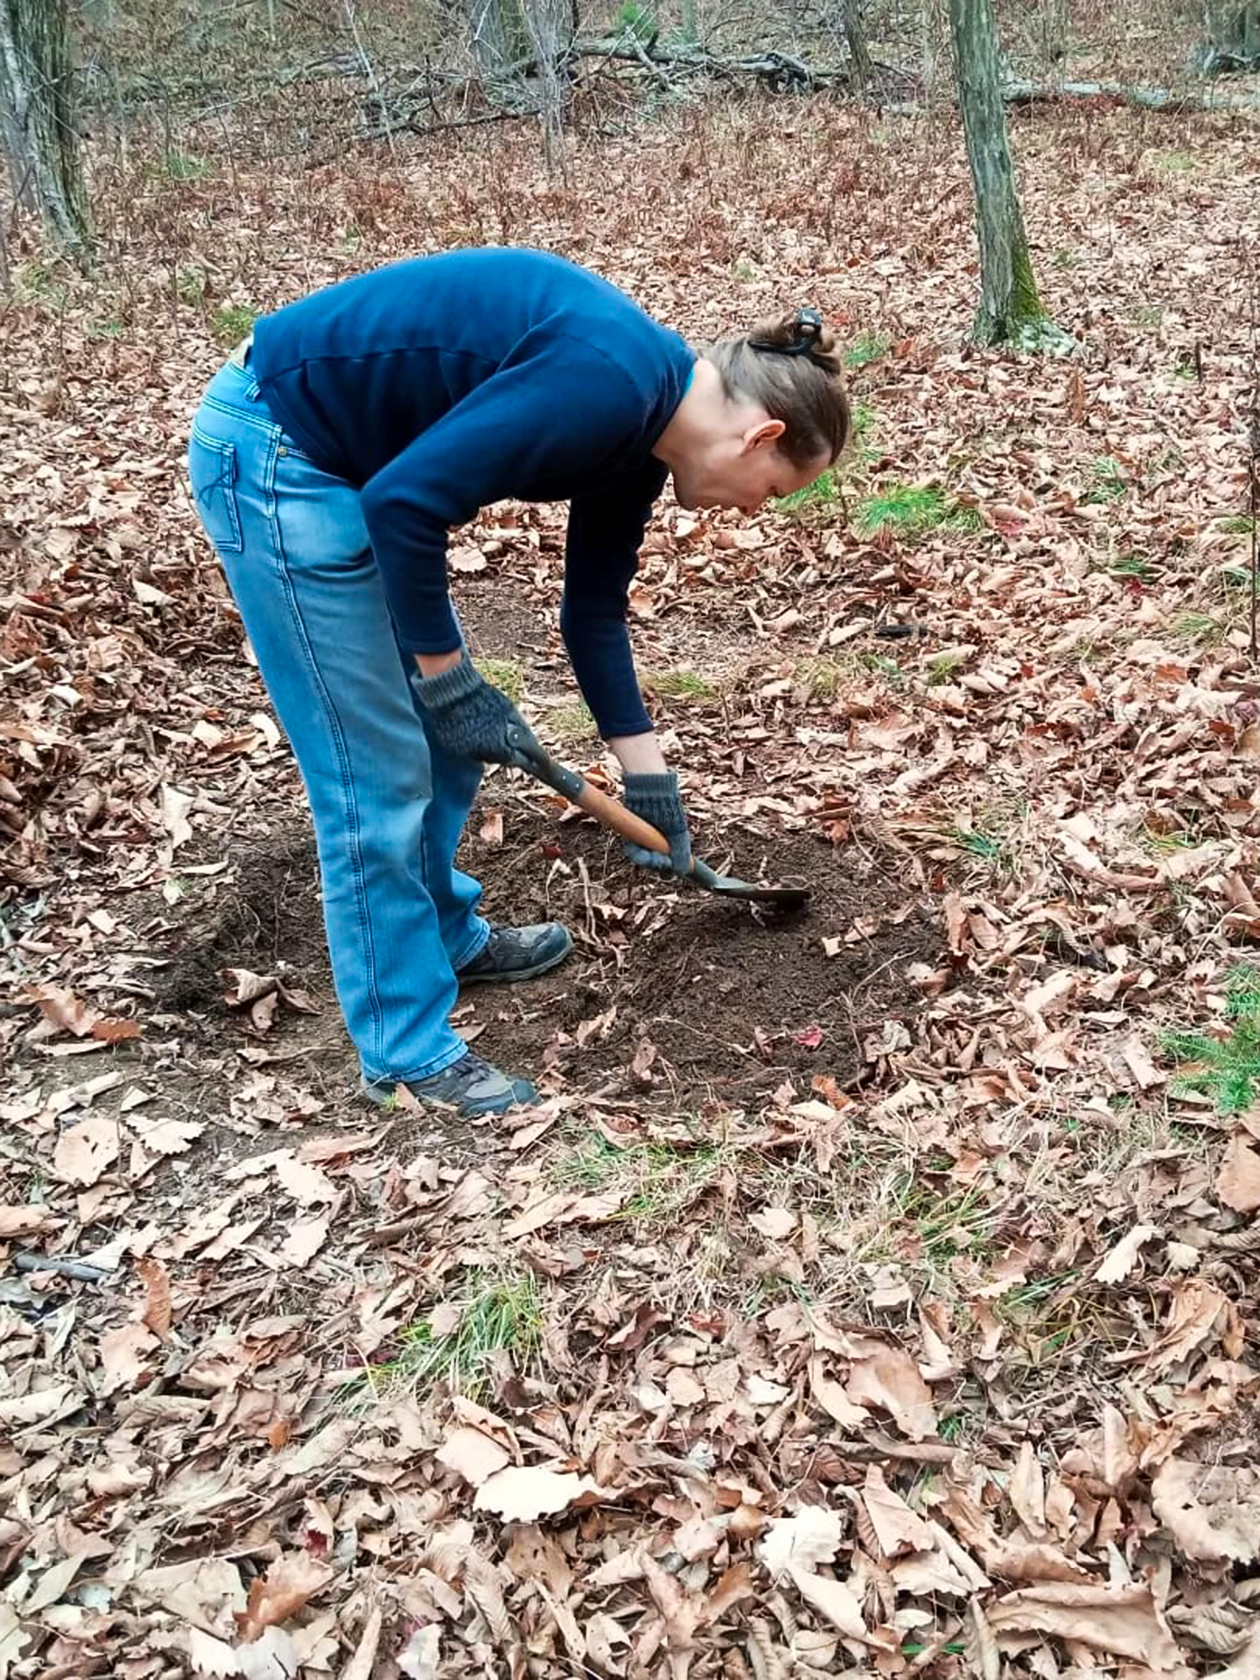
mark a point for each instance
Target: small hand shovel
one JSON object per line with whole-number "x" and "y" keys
{"x": 614, "y": 815}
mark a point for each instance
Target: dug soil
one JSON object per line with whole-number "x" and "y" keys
{"x": 670, "y": 994}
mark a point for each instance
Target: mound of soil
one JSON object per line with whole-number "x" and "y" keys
{"x": 265, "y": 916}
{"x": 671, "y": 994}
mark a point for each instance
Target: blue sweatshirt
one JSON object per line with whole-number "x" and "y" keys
{"x": 441, "y": 384}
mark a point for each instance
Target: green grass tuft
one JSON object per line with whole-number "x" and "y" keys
{"x": 184, "y": 166}
{"x": 636, "y": 20}
{"x": 499, "y": 1314}
{"x": 1172, "y": 163}
{"x": 942, "y": 667}
{"x": 506, "y": 676}
{"x": 660, "y": 1182}
{"x": 572, "y": 722}
{"x": 1107, "y": 482}
{"x": 1226, "y": 1069}
{"x": 823, "y": 679}
{"x": 1201, "y": 628}
{"x": 191, "y": 286}
{"x": 37, "y": 283}
{"x": 909, "y": 510}
{"x": 1132, "y": 566}
{"x": 820, "y": 497}
{"x": 866, "y": 348}
{"x": 680, "y": 685}
{"x": 232, "y": 321}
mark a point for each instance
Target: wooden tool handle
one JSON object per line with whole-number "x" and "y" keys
{"x": 614, "y": 815}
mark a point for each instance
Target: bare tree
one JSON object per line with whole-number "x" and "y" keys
{"x": 1010, "y": 309}
{"x": 500, "y": 39}
{"x": 1233, "y": 37}
{"x": 548, "y": 25}
{"x": 855, "y": 35}
{"x": 37, "y": 121}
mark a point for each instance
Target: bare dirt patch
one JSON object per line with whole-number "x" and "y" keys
{"x": 714, "y": 998}
{"x": 669, "y": 990}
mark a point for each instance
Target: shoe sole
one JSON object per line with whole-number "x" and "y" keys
{"x": 508, "y": 976}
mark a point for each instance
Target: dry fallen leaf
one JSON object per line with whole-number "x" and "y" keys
{"x": 832, "y": 1599}
{"x": 305, "y": 1239}
{"x": 1212, "y": 1511}
{"x": 525, "y": 1493}
{"x": 85, "y": 1152}
{"x": 175, "y": 808}
{"x": 1124, "y": 1256}
{"x": 897, "y": 1528}
{"x": 1027, "y": 1491}
{"x": 1196, "y": 1315}
{"x": 1238, "y": 1181}
{"x": 164, "y": 1137}
{"x": 25, "y": 1221}
{"x": 812, "y": 1536}
{"x": 210, "y": 1656}
{"x": 1246, "y": 1665}
{"x": 289, "y": 1583}
{"x": 774, "y": 1223}
{"x": 473, "y": 1455}
{"x": 364, "y": 1659}
{"x": 420, "y": 1658}
{"x": 123, "y": 1356}
{"x": 305, "y": 1183}
{"x": 1117, "y": 1621}
{"x": 157, "y": 1307}
{"x": 891, "y": 1380}
{"x": 63, "y": 1009}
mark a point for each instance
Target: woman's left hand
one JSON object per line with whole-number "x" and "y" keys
{"x": 657, "y": 800}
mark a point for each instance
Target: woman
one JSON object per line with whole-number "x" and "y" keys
{"x": 329, "y": 459}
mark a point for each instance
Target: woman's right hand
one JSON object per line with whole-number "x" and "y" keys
{"x": 471, "y": 718}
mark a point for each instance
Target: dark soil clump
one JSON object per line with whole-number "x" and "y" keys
{"x": 730, "y": 998}
{"x": 264, "y": 916}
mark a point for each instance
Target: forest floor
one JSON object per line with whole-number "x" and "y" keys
{"x": 874, "y": 1290}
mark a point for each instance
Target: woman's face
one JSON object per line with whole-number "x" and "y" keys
{"x": 742, "y": 472}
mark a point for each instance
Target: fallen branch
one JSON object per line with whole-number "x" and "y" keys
{"x": 1146, "y": 98}
{"x": 80, "y": 1271}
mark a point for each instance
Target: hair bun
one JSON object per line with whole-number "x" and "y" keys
{"x": 801, "y": 332}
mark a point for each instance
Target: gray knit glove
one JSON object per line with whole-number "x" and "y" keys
{"x": 656, "y": 799}
{"x": 470, "y": 717}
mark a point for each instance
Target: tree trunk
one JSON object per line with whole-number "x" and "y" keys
{"x": 855, "y": 36}
{"x": 1233, "y": 43}
{"x": 1054, "y": 29}
{"x": 1010, "y": 310}
{"x": 500, "y": 38}
{"x": 546, "y": 24}
{"x": 37, "y": 121}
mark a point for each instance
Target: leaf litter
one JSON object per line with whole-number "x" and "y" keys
{"x": 881, "y": 1290}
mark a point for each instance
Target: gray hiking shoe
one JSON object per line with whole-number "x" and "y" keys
{"x": 469, "y": 1085}
{"x": 518, "y": 953}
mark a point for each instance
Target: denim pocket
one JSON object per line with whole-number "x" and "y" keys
{"x": 212, "y": 471}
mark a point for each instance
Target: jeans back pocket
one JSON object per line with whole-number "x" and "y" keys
{"x": 212, "y": 472}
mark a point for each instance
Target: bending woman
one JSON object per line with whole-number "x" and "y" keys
{"x": 329, "y": 459}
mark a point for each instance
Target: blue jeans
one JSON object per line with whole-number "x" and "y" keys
{"x": 388, "y": 803}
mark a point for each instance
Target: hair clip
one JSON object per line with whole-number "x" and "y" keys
{"x": 808, "y": 326}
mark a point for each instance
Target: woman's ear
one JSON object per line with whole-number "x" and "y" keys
{"x": 764, "y": 433}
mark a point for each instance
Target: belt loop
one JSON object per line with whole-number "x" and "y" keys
{"x": 240, "y": 356}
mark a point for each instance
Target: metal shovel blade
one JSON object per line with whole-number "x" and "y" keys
{"x": 613, "y": 815}
{"x": 730, "y": 886}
